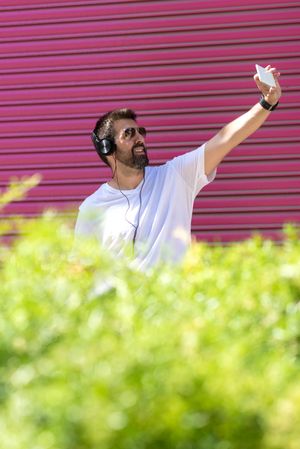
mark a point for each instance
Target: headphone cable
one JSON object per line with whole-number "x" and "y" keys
{"x": 135, "y": 226}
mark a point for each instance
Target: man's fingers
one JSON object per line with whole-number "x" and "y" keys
{"x": 272, "y": 94}
{"x": 260, "y": 85}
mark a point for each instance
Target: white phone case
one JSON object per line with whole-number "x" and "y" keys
{"x": 264, "y": 76}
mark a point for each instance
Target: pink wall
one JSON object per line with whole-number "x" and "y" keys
{"x": 186, "y": 67}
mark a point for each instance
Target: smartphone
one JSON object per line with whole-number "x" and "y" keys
{"x": 264, "y": 76}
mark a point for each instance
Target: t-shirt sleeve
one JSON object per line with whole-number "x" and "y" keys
{"x": 85, "y": 225}
{"x": 191, "y": 168}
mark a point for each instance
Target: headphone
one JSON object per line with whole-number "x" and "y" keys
{"x": 104, "y": 147}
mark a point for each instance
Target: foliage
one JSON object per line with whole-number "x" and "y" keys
{"x": 18, "y": 189}
{"x": 96, "y": 355}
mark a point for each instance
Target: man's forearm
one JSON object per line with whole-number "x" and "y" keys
{"x": 232, "y": 135}
{"x": 242, "y": 127}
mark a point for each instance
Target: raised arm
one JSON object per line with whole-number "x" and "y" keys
{"x": 239, "y": 129}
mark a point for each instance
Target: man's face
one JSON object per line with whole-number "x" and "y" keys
{"x": 130, "y": 141}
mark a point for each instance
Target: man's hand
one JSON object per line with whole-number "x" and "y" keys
{"x": 270, "y": 94}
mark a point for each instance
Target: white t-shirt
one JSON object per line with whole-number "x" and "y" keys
{"x": 166, "y": 207}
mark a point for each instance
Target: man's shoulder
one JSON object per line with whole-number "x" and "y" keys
{"x": 94, "y": 198}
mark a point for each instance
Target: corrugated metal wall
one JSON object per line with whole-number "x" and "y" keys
{"x": 185, "y": 66}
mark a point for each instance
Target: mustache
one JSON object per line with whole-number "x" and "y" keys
{"x": 139, "y": 145}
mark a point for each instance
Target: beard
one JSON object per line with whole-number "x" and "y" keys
{"x": 135, "y": 160}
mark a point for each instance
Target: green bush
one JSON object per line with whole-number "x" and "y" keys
{"x": 95, "y": 355}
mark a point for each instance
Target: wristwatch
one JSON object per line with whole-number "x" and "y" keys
{"x": 266, "y": 105}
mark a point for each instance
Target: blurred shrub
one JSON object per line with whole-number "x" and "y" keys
{"x": 94, "y": 355}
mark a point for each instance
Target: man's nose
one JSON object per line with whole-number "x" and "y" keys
{"x": 139, "y": 137}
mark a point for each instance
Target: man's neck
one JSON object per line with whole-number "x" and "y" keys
{"x": 127, "y": 181}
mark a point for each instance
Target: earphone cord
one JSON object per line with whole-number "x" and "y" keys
{"x": 139, "y": 213}
{"x": 128, "y": 207}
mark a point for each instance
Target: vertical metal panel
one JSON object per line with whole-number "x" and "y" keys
{"x": 185, "y": 67}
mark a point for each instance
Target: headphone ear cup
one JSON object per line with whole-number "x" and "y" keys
{"x": 104, "y": 147}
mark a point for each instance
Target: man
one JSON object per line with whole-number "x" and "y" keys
{"x": 151, "y": 208}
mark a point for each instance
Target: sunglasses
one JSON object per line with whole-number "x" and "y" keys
{"x": 130, "y": 133}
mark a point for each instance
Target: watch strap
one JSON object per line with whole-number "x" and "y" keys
{"x": 266, "y": 105}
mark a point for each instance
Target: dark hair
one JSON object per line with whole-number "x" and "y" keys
{"x": 104, "y": 127}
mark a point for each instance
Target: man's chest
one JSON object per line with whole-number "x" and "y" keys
{"x": 119, "y": 221}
